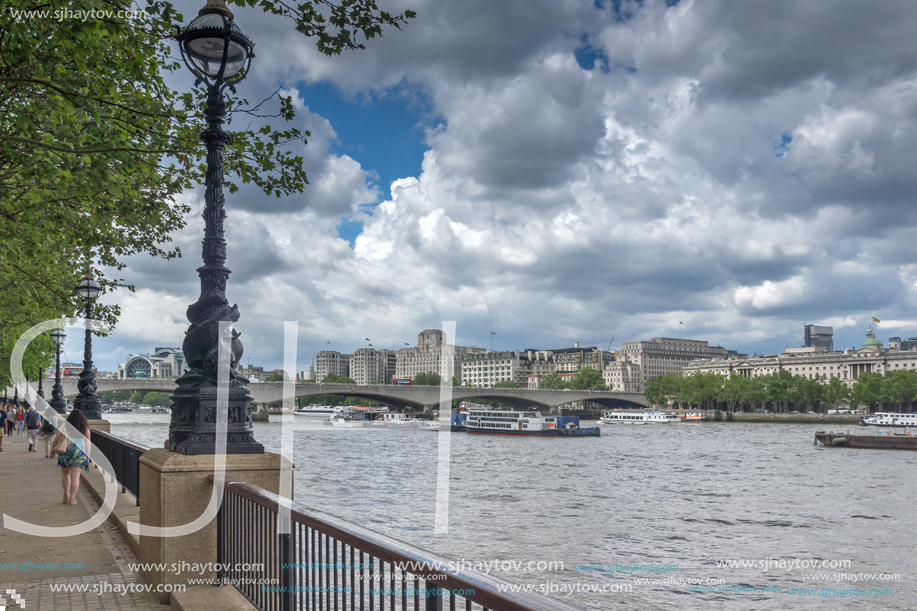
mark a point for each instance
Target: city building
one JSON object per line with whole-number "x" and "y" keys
{"x": 847, "y": 366}
{"x": 819, "y": 336}
{"x": 896, "y": 343}
{"x": 485, "y": 369}
{"x": 331, "y": 362}
{"x": 162, "y": 363}
{"x": 662, "y": 355}
{"x": 370, "y": 366}
{"x": 622, "y": 375}
{"x": 573, "y": 359}
{"x": 427, "y": 356}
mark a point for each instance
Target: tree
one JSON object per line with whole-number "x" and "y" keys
{"x": 867, "y": 390}
{"x": 755, "y": 392}
{"x": 157, "y": 399}
{"x": 430, "y": 378}
{"x": 732, "y": 391}
{"x": 336, "y": 379}
{"x": 588, "y": 378}
{"x": 900, "y": 387}
{"x": 95, "y": 146}
{"x": 277, "y": 376}
{"x": 118, "y": 396}
{"x": 552, "y": 382}
{"x": 836, "y": 392}
{"x": 506, "y": 384}
{"x": 137, "y": 396}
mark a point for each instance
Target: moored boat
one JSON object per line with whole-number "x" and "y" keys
{"x": 892, "y": 419}
{"x": 647, "y": 416}
{"x": 507, "y": 422}
{"x": 356, "y": 417}
{"x": 397, "y": 421}
{"x": 888, "y": 440}
{"x": 320, "y": 410}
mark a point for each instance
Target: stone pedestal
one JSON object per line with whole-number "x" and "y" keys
{"x": 174, "y": 491}
{"x": 100, "y": 425}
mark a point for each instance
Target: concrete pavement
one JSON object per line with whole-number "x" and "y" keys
{"x": 96, "y": 562}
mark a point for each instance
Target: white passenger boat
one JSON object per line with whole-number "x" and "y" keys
{"x": 320, "y": 410}
{"x": 397, "y": 421}
{"x": 647, "y": 416}
{"x": 357, "y": 417}
{"x": 890, "y": 419}
{"x": 507, "y": 422}
{"x": 693, "y": 416}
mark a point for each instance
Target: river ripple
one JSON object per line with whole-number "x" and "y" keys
{"x": 686, "y": 495}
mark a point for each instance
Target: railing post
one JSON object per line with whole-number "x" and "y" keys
{"x": 287, "y": 575}
{"x": 221, "y": 551}
{"x": 433, "y": 600}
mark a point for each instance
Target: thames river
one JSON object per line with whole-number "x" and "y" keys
{"x": 680, "y": 516}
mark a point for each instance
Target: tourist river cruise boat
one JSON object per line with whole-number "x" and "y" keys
{"x": 357, "y": 417}
{"x": 316, "y": 409}
{"x": 890, "y": 419}
{"x": 647, "y": 416}
{"x": 507, "y": 422}
{"x": 397, "y": 421}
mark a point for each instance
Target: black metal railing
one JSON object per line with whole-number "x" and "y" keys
{"x": 124, "y": 457}
{"x": 329, "y": 564}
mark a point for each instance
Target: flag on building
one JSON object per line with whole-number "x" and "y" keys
{"x": 874, "y": 319}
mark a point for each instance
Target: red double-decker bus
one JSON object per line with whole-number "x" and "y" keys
{"x": 402, "y": 381}
{"x": 72, "y": 370}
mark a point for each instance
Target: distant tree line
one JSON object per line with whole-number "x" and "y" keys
{"x": 139, "y": 397}
{"x": 783, "y": 391}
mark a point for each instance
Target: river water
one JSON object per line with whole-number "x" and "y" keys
{"x": 592, "y": 520}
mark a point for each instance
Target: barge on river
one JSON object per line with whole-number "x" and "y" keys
{"x": 507, "y": 422}
{"x": 883, "y": 440}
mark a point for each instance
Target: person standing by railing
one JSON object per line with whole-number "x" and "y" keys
{"x": 74, "y": 458}
{"x": 33, "y": 426}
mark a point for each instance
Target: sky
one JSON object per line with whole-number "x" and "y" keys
{"x": 560, "y": 171}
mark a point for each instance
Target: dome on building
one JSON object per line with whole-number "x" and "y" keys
{"x": 871, "y": 342}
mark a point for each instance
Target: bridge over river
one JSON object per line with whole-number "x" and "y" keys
{"x": 416, "y": 397}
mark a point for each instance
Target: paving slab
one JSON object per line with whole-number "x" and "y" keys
{"x": 81, "y": 573}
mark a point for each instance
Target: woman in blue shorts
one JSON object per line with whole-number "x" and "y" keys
{"x": 75, "y": 458}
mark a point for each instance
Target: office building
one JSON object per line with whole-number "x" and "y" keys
{"x": 818, "y": 336}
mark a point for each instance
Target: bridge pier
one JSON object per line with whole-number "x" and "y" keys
{"x": 260, "y": 413}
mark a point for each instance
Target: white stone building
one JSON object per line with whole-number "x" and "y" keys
{"x": 484, "y": 369}
{"x": 428, "y": 354}
{"x": 663, "y": 355}
{"x": 331, "y": 362}
{"x": 369, "y": 366}
{"x": 813, "y": 363}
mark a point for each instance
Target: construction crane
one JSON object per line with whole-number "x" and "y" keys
{"x": 610, "y": 343}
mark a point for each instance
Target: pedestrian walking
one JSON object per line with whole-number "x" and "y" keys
{"x": 33, "y": 427}
{"x": 20, "y": 422}
{"x": 75, "y": 458}
{"x": 2, "y": 424}
{"x": 47, "y": 433}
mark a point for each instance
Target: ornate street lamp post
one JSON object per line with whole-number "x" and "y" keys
{"x": 215, "y": 50}
{"x": 57, "y": 393}
{"x": 87, "y": 401}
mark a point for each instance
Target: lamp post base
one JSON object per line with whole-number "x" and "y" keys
{"x": 193, "y": 427}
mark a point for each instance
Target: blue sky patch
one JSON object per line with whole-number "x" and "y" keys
{"x": 384, "y": 133}
{"x": 781, "y": 149}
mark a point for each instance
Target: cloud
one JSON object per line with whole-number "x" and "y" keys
{"x": 743, "y": 168}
